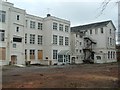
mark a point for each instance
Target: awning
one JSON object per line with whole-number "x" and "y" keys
{"x": 64, "y": 52}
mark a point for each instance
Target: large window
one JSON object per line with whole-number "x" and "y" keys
{"x": 40, "y": 26}
{"x": 40, "y": 39}
{"x": 54, "y": 39}
{"x": 32, "y": 54}
{"x": 66, "y": 28}
{"x": 54, "y": 26}
{"x": 55, "y": 54}
{"x": 32, "y": 24}
{"x": 2, "y": 35}
{"x": 60, "y": 58}
{"x": 2, "y": 16}
{"x": 32, "y": 39}
{"x": 66, "y": 41}
{"x": 60, "y": 40}
{"x": 60, "y": 27}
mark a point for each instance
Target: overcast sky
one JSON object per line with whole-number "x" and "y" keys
{"x": 79, "y": 12}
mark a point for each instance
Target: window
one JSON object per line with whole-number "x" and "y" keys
{"x": 110, "y": 31}
{"x": 14, "y": 45}
{"x": 98, "y": 57}
{"x": 2, "y": 16}
{"x": 32, "y": 39}
{"x": 32, "y": 54}
{"x": 55, "y": 54}
{"x": 40, "y": 39}
{"x": 111, "y": 54}
{"x": 60, "y": 58}
{"x": 60, "y": 40}
{"x": 32, "y": 24}
{"x": 54, "y": 26}
{"x": 66, "y": 41}
{"x": 17, "y": 29}
{"x": 16, "y": 39}
{"x": 101, "y": 30}
{"x": 18, "y": 17}
{"x": 96, "y": 31}
{"x": 80, "y": 51}
{"x": 90, "y": 31}
{"x": 26, "y": 38}
{"x": 80, "y": 43}
{"x": 108, "y": 54}
{"x": 60, "y": 27}
{"x": 2, "y": 35}
{"x": 76, "y": 50}
{"x": 110, "y": 41}
{"x": 26, "y": 23}
{"x": 54, "y": 39}
{"x": 66, "y": 28}
{"x": 40, "y": 25}
{"x": 25, "y": 54}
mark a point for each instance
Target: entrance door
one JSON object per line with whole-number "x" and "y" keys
{"x": 73, "y": 60}
{"x": 40, "y": 54}
{"x": 13, "y": 59}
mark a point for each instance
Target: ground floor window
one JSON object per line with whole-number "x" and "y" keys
{"x": 32, "y": 54}
{"x": 98, "y": 57}
{"x": 55, "y": 54}
{"x": 60, "y": 58}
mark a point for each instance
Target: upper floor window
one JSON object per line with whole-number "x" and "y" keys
{"x": 90, "y": 31}
{"x": 17, "y": 29}
{"x": 26, "y": 38}
{"x": 60, "y": 40}
{"x": 14, "y": 45}
{"x": 40, "y": 26}
{"x": 66, "y": 28}
{"x": 54, "y": 26}
{"x": 32, "y": 39}
{"x": 18, "y": 17}
{"x": 96, "y": 31}
{"x": 54, "y": 39}
{"x": 110, "y": 31}
{"x": 60, "y": 27}
{"x": 40, "y": 39}
{"x": 2, "y": 35}
{"x": 66, "y": 41}
{"x": 2, "y": 16}
{"x": 32, "y": 24}
{"x": 102, "y": 30}
{"x": 55, "y": 54}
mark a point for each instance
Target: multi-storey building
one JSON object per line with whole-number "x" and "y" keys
{"x": 98, "y": 40}
{"x": 26, "y": 37}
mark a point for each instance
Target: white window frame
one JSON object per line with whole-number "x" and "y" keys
{"x": 55, "y": 39}
{"x": 32, "y": 38}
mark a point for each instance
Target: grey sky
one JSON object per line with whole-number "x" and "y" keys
{"x": 77, "y": 11}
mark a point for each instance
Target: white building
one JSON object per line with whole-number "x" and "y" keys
{"x": 49, "y": 41}
{"x": 97, "y": 42}
{"x": 25, "y": 37}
